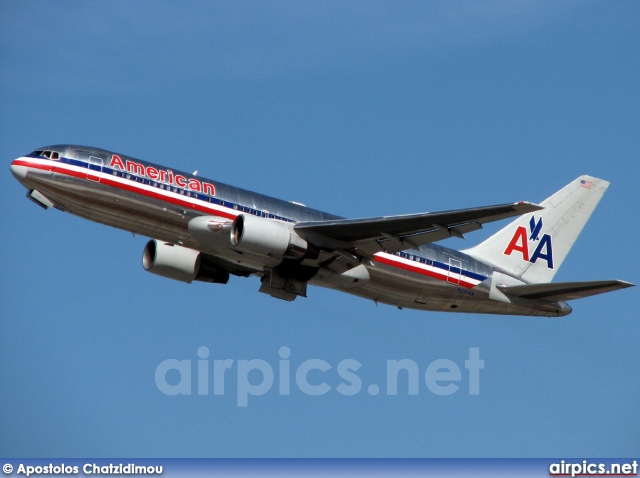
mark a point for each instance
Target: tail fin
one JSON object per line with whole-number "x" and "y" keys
{"x": 534, "y": 246}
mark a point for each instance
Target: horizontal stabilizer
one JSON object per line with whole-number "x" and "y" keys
{"x": 561, "y": 291}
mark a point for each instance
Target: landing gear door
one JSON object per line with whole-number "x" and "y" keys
{"x": 94, "y": 168}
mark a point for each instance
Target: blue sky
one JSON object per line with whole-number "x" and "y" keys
{"x": 359, "y": 109}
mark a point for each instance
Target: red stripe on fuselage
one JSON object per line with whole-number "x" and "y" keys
{"x": 55, "y": 168}
{"x": 419, "y": 270}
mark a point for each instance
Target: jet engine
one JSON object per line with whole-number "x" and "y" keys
{"x": 180, "y": 263}
{"x": 267, "y": 237}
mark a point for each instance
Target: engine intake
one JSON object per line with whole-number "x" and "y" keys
{"x": 267, "y": 237}
{"x": 180, "y": 263}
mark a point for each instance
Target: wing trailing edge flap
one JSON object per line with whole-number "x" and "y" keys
{"x": 563, "y": 291}
{"x": 365, "y": 237}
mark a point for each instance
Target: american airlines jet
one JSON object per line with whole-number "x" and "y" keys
{"x": 204, "y": 230}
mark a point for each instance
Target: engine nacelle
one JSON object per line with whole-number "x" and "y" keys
{"x": 180, "y": 263}
{"x": 266, "y": 237}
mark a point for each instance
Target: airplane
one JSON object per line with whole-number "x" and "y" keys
{"x": 204, "y": 230}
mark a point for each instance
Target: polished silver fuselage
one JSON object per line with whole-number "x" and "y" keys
{"x": 92, "y": 189}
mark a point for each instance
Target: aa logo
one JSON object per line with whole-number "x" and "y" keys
{"x": 524, "y": 241}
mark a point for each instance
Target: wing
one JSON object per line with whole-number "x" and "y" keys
{"x": 556, "y": 291}
{"x": 365, "y": 237}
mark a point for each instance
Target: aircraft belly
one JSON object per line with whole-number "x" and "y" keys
{"x": 407, "y": 290}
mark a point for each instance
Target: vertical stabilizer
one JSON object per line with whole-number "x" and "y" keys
{"x": 534, "y": 246}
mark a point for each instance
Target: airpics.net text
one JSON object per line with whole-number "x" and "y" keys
{"x": 257, "y": 377}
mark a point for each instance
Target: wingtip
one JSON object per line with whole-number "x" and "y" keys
{"x": 624, "y": 284}
{"x": 526, "y": 206}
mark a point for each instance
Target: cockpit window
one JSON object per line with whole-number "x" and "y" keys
{"x": 47, "y": 154}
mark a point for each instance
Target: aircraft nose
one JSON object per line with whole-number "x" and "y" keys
{"x": 19, "y": 171}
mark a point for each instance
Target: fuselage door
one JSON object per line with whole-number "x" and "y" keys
{"x": 455, "y": 271}
{"x": 94, "y": 168}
